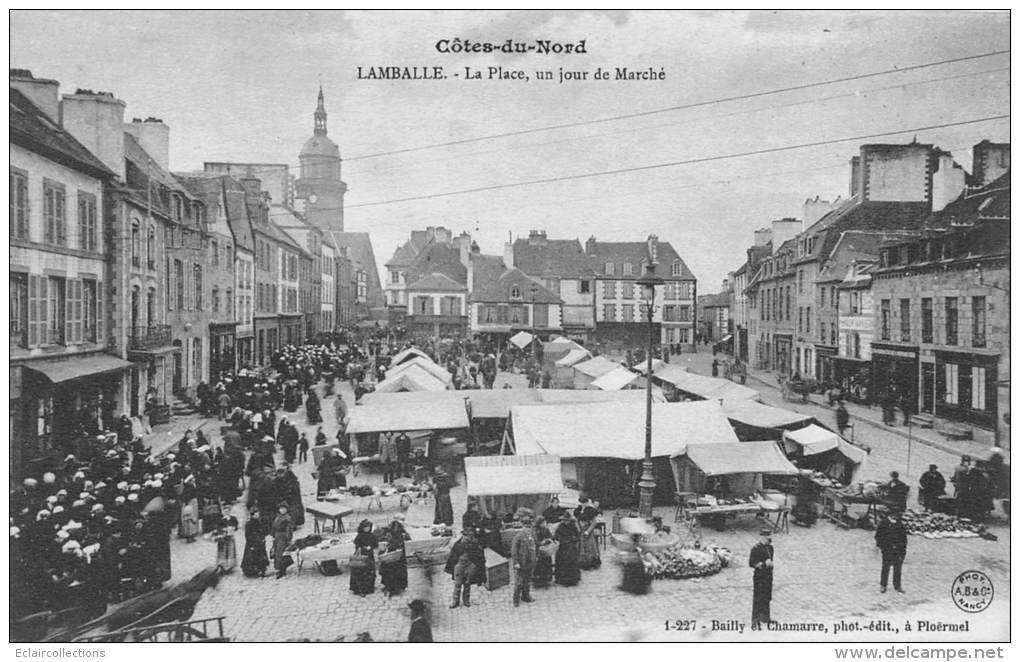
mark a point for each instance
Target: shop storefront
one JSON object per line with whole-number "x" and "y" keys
{"x": 292, "y": 329}
{"x": 782, "y": 356}
{"x": 823, "y": 363}
{"x": 222, "y": 350}
{"x": 853, "y": 377}
{"x": 966, "y": 387}
{"x": 895, "y": 369}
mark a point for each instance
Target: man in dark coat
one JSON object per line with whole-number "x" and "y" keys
{"x": 842, "y": 418}
{"x": 466, "y": 564}
{"x": 761, "y": 560}
{"x": 896, "y": 492}
{"x": 891, "y": 538}
{"x": 933, "y": 485}
{"x": 421, "y": 631}
{"x": 524, "y": 555}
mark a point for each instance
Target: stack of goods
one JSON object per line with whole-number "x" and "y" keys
{"x": 868, "y": 490}
{"x": 819, "y": 478}
{"x": 940, "y": 525}
{"x": 361, "y": 490}
{"x": 442, "y": 531}
{"x": 685, "y": 562}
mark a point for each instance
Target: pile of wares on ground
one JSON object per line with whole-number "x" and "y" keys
{"x": 684, "y": 562}
{"x": 941, "y": 525}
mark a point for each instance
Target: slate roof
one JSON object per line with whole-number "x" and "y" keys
{"x": 436, "y": 283}
{"x": 237, "y": 213}
{"x": 31, "y": 128}
{"x": 634, "y": 252}
{"x": 498, "y": 290}
{"x": 853, "y": 245}
{"x": 870, "y": 216}
{"x": 404, "y": 255}
{"x": 438, "y": 258}
{"x": 720, "y": 300}
{"x": 487, "y": 269}
{"x": 990, "y": 202}
{"x": 552, "y": 258}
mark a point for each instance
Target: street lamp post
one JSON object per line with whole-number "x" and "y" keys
{"x": 648, "y": 283}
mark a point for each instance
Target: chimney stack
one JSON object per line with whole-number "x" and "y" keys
{"x": 43, "y": 92}
{"x": 96, "y": 120}
{"x": 464, "y": 247}
{"x": 154, "y": 137}
{"x": 653, "y": 249}
{"x": 762, "y": 236}
{"x": 508, "y": 255}
{"x": 589, "y": 246}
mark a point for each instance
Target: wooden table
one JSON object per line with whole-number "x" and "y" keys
{"x": 777, "y": 517}
{"x": 835, "y": 507}
{"x": 327, "y": 511}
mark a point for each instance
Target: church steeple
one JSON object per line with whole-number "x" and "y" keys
{"x": 320, "y": 114}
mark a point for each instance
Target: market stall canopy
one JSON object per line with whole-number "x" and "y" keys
{"x": 595, "y": 430}
{"x": 747, "y": 457}
{"x": 412, "y": 379}
{"x": 573, "y": 357}
{"x": 669, "y": 373}
{"x": 513, "y": 474}
{"x": 657, "y": 365}
{"x": 563, "y": 395}
{"x": 408, "y": 354}
{"x": 813, "y": 439}
{"x": 561, "y": 342}
{"x": 707, "y": 387}
{"x": 384, "y": 416}
{"x": 758, "y": 415}
{"x": 596, "y": 367}
{"x": 426, "y": 364}
{"x": 614, "y": 380}
{"x": 522, "y": 339}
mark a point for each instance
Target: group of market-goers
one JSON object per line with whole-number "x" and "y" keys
{"x": 530, "y": 551}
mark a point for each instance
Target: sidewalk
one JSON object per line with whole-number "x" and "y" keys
{"x": 873, "y": 416}
{"x": 167, "y": 435}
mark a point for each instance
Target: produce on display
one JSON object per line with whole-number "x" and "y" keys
{"x": 941, "y": 525}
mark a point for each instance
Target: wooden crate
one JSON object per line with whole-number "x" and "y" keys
{"x": 497, "y": 570}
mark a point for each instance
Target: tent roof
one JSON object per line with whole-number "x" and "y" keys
{"x": 407, "y": 354}
{"x": 759, "y": 415}
{"x": 657, "y": 365}
{"x": 813, "y": 439}
{"x": 384, "y": 416}
{"x": 561, "y": 340}
{"x": 596, "y": 367}
{"x": 746, "y": 457}
{"x": 706, "y": 387}
{"x": 522, "y": 339}
{"x": 513, "y": 474}
{"x": 615, "y": 379}
{"x": 426, "y": 364}
{"x": 572, "y": 357}
{"x": 669, "y": 373}
{"x": 412, "y": 379}
{"x": 594, "y": 430}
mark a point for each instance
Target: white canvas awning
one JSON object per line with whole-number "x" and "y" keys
{"x": 407, "y": 354}
{"x": 564, "y": 395}
{"x": 423, "y": 363}
{"x": 758, "y": 415}
{"x": 617, "y": 431}
{"x": 614, "y": 380}
{"x": 513, "y": 474}
{"x": 573, "y": 357}
{"x": 384, "y": 416}
{"x": 813, "y": 439}
{"x": 748, "y": 457}
{"x": 522, "y": 339}
{"x": 706, "y": 387}
{"x": 657, "y": 365}
{"x": 596, "y": 367}
{"x": 412, "y": 379}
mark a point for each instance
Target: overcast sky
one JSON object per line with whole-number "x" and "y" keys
{"x": 241, "y": 86}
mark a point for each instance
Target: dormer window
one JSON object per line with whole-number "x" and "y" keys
{"x": 178, "y": 207}
{"x": 515, "y": 292}
{"x": 628, "y": 269}
{"x": 675, "y": 269}
{"x": 610, "y": 269}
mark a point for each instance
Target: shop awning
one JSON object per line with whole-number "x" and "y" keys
{"x": 407, "y": 355}
{"x": 762, "y": 457}
{"x": 657, "y": 365}
{"x": 522, "y": 339}
{"x": 758, "y": 415}
{"x": 614, "y": 380}
{"x": 412, "y": 379}
{"x": 513, "y": 474}
{"x": 424, "y": 364}
{"x": 596, "y": 367}
{"x": 813, "y": 439}
{"x": 384, "y": 416}
{"x": 616, "y": 430}
{"x": 154, "y": 351}
{"x": 59, "y": 371}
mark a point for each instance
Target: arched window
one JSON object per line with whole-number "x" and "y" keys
{"x": 136, "y": 244}
{"x": 198, "y": 286}
{"x": 515, "y": 292}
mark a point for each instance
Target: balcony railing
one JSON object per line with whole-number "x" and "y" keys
{"x": 150, "y": 337}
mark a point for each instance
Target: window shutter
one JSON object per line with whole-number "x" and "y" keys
{"x": 79, "y": 305}
{"x": 68, "y": 311}
{"x": 33, "y": 311}
{"x": 44, "y": 311}
{"x": 100, "y": 338}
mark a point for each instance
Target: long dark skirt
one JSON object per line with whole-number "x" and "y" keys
{"x": 543, "y": 574}
{"x": 255, "y": 559}
{"x": 635, "y": 578}
{"x": 589, "y": 555}
{"x": 394, "y": 577}
{"x": 444, "y": 511}
{"x": 567, "y": 571}
{"x": 363, "y": 579}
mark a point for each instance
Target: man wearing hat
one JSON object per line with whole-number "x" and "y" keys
{"x": 761, "y": 560}
{"x": 524, "y": 555}
{"x": 421, "y": 631}
{"x": 441, "y": 483}
{"x": 891, "y": 538}
{"x": 933, "y": 485}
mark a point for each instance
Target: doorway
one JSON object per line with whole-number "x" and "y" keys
{"x": 178, "y": 367}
